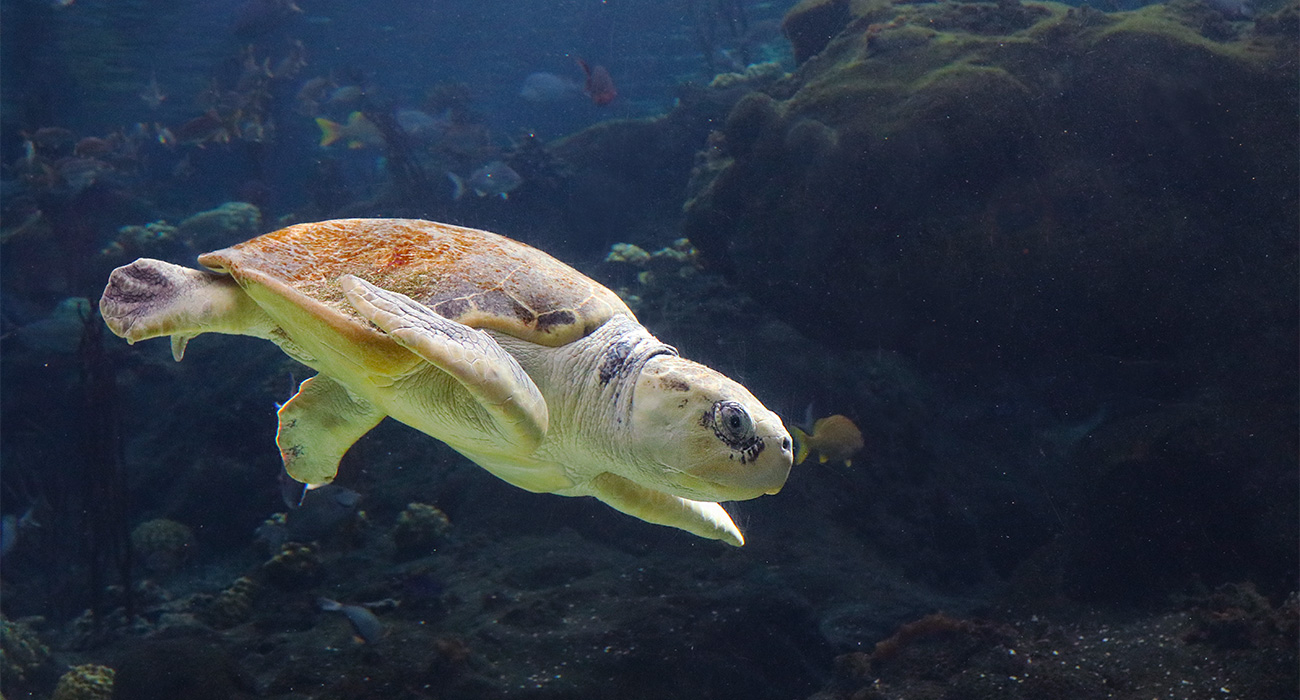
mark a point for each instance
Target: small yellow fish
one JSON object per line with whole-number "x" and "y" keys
{"x": 359, "y": 132}
{"x": 833, "y": 438}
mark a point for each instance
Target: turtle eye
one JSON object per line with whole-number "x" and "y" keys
{"x": 732, "y": 423}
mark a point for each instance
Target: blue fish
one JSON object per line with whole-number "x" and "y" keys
{"x": 549, "y": 87}
{"x": 365, "y": 625}
{"x": 495, "y": 178}
{"x": 11, "y": 526}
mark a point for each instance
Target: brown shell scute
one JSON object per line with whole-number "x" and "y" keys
{"x": 474, "y": 277}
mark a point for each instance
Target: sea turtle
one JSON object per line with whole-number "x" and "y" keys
{"x": 519, "y": 362}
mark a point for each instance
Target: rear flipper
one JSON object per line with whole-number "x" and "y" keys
{"x": 701, "y": 518}
{"x": 149, "y": 298}
{"x": 318, "y": 425}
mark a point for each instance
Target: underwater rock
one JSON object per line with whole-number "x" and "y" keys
{"x": 87, "y": 630}
{"x": 1053, "y": 192}
{"x": 162, "y": 545}
{"x": 1199, "y": 481}
{"x": 944, "y": 642}
{"x": 750, "y": 121}
{"x": 1236, "y": 616}
{"x": 861, "y": 624}
{"x": 190, "y": 668}
{"x": 85, "y": 682}
{"x": 452, "y": 658}
{"x": 272, "y": 533}
{"x": 709, "y": 163}
{"x": 663, "y": 624}
{"x": 1004, "y": 17}
{"x": 941, "y": 158}
{"x": 21, "y": 651}
{"x": 233, "y": 605}
{"x": 419, "y": 529}
{"x": 135, "y": 240}
{"x": 61, "y": 331}
{"x": 681, "y": 257}
{"x": 947, "y": 656}
{"x": 809, "y": 141}
{"x": 811, "y": 24}
{"x": 679, "y": 260}
{"x": 294, "y": 566}
{"x": 754, "y": 76}
{"x": 627, "y": 253}
{"x": 627, "y": 175}
{"x": 228, "y": 224}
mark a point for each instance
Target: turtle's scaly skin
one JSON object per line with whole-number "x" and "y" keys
{"x": 477, "y": 278}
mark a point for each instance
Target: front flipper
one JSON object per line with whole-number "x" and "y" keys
{"x": 696, "y": 517}
{"x": 318, "y": 425}
{"x": 489, "y": 373}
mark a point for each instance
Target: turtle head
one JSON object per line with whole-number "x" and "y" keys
{"x": 708, "y": 437}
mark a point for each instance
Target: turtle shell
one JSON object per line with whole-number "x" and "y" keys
{"x": 477, "y": 278}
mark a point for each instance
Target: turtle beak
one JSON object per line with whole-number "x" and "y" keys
{"x": 787, "y": 453}
{"x": 781, "y": 464}
{"x": 786, "y": 457}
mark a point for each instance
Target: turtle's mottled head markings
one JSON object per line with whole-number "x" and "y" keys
{"x": 616, "y": 359}
{"x": 711, "y": 439}
{"x": 673, "y": 384}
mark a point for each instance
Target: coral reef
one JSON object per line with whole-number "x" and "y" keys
{"x": 295, "y": 566}
{"x": 162, "y": 545}
{"x": 228, "y": 224}
{"x": 419, "y": 529}
{"x": 135, "y": 240}
{"x": 272, "y": 533}
{"x": 755, "y": 75}
{"x": 680, "y": 259}
{"x": 85, "y": 682}
{"x": 812, "y": 23}
{"x": 1236, "y": 616}
{"x": 1008, "y": 110}
{"x": 233, "y": 605}
{"x": 21, "y": 651}
{"x": 628, "y": 253}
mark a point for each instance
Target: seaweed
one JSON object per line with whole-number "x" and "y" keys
{"x": 103, "y": 474}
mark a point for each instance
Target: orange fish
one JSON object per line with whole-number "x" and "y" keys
{"x": 833, "y": 438}
{"x": 599, "y": 86}
{"x": 358, "y": 132}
